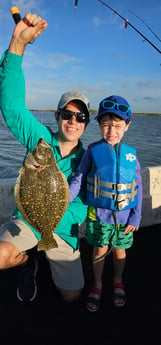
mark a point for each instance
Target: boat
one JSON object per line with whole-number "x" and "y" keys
{"x": 151, "y": 207}
{"x": 138, "y": 321}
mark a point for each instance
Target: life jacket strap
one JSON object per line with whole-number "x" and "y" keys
{"x": 122, "y": 200}
{"x": 115, "y": 186}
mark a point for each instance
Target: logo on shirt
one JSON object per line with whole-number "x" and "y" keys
{"x": 130, "y": 157}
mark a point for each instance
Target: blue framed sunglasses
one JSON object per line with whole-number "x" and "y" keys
{"x": 123, "y": 108}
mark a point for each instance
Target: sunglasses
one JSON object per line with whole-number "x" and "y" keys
{"x": 120, "y": 107}
{"x": 68, "y": 114}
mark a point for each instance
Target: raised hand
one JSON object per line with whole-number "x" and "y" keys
{"x": 25, "y": 31}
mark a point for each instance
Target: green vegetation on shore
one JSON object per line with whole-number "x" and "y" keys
{"x": 93, "y": 112}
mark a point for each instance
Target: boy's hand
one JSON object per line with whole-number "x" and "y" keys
{"x": 25, "y": 31}
{"x": 130, "y": 228}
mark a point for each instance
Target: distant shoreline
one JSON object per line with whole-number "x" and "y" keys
{"x": 93, "y": 112}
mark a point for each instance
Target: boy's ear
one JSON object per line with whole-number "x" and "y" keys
{"x": 127, "y": 126}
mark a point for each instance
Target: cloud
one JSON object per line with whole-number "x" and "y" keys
{"x": 50, "y": 60}
{"x": 98, "y": 21}
{"x": 148, "y": 98}
{"x": 26, "y": 6}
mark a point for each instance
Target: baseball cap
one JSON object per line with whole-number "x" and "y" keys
{"x": 116, "y": 105}
{"x": 73, "y": 95}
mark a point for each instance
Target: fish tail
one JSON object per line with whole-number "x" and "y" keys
{"x": 42, "y": 245}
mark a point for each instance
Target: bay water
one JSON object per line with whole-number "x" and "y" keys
{"x": 144, "y": 134}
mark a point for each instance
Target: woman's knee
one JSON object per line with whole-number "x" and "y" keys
{"x": 70, "y": 296}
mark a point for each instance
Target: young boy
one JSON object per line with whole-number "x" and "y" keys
{"x": 111, "y": 173}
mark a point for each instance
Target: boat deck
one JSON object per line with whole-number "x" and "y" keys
{"x": 48, "y": 320}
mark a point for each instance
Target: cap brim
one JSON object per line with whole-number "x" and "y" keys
{"x": 115, "y": 112}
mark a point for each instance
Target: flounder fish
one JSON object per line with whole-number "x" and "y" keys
{"x": 42, "y": 193}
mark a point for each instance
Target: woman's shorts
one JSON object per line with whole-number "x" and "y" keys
{"x": 100, "y": 234}
{"x": 65, "y": 263}
{"x": 66, "y": 266}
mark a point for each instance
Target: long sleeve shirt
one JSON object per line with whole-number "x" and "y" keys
{"x": 28, "y": 130}
{"x": 129, "y": 216}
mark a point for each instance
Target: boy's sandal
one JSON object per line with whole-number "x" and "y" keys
{"x": 93, "y": 301}
{"x": 119, "y": 299}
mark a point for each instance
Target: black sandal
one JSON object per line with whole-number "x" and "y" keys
{"x": 118, "y": 295}
{"x": 93, "y": 300}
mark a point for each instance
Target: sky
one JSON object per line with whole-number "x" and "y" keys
{"x": 90, "y": 50}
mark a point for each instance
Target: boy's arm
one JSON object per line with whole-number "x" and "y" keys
{"x": 135, "y": 214}
{"x": 79, "y": 180}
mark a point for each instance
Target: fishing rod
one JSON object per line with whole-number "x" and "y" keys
{"x": 15, "y": 12}
{"x": 127, "y": 22}
{"x": 145, "y": 24}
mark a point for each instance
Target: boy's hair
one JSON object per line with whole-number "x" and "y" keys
{"x": 113, "y": 117}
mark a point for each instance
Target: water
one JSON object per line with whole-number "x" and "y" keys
{"x": 144, "y": 134}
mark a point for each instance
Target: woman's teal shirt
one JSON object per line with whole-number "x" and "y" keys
{"x": 28, "y": 130}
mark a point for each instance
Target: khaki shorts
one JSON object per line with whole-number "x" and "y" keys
{"x": 65, "y": 263}
{"x": 66, "y": 266}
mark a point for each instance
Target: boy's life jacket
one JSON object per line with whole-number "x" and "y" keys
{"x": 111, "y": 183}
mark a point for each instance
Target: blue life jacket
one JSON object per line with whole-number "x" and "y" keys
{"x": 111, "y": 183}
